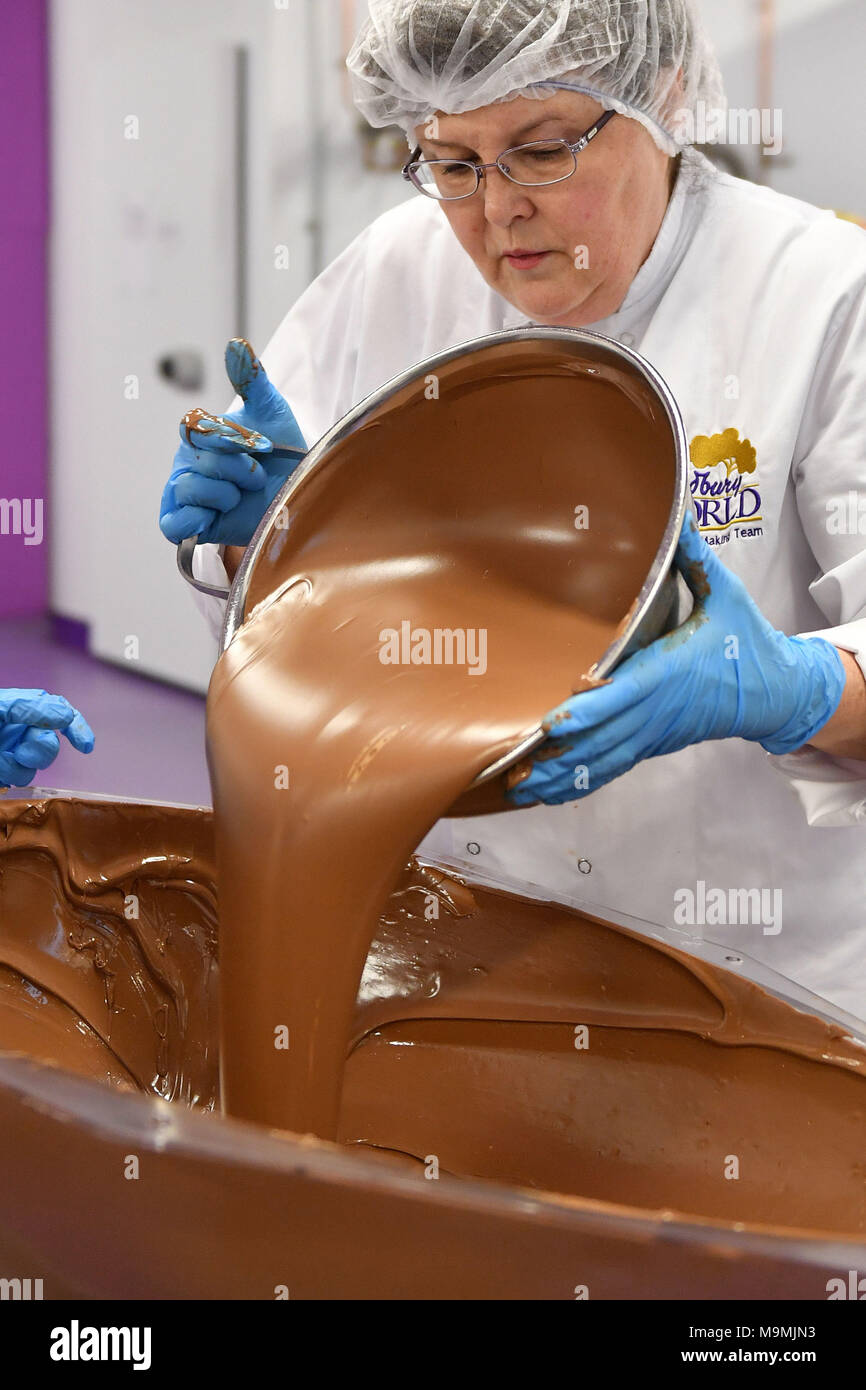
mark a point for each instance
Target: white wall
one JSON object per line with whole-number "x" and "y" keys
{"x": 819, "y": 63}
{"x": 732, "y": 23}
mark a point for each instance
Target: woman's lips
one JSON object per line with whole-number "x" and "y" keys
{"x": 524, "y": 260}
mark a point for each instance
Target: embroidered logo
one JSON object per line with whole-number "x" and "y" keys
{"x": 724, "y": 486}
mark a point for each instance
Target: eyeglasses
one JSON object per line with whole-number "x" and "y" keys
{"x": 535, "y": 165}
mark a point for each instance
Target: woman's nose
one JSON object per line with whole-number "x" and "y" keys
{"x": 503, "y": 199}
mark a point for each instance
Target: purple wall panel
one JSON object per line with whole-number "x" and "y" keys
{"x": 23, "y": 345}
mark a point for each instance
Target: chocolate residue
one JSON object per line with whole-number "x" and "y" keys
{"x": 194, "y": 419}
{"x": 696, "y": 578}
{"x": 108, "y": 942}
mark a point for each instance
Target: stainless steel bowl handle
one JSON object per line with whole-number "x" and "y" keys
{"x": 185, "y": 552}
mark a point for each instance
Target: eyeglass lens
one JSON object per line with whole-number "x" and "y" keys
{"x": 538, "y": 163}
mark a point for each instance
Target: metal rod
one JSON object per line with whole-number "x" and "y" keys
{"x": 241, "y": 135}
{"x": 766, "y": 42}
{"x": 317, "y": 150}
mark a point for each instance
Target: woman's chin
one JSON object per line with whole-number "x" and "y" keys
{"x": 545, "y": 304}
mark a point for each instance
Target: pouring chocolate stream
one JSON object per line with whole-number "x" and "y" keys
{"x": 423, "y": 604}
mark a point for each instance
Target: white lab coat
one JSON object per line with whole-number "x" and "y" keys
{"x": 752, "y": 306}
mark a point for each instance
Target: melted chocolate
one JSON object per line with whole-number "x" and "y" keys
{"x": 108, "y": 943}
{"x": 452, "y": 508}
{"x": 462, "y": 1049}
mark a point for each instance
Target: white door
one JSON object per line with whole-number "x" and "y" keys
{"x": 148, "y": 114}
{"x": 152, "y": 217}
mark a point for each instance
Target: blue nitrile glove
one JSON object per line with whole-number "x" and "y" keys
{"x": 223, "y": 482}
{"x": 28, "y": 743}
{"x": 725, "y": 673}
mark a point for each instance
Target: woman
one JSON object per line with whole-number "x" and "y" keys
{"x": 752, "y": 306}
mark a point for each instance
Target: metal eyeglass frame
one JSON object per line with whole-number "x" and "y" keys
{"x": 575, "y": 147}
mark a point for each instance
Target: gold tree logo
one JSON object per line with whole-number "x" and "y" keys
{"x": 737, "y": 455}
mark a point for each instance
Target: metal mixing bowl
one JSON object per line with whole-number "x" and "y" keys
{"x": 655, "y": 607}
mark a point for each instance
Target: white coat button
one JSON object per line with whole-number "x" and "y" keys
{"x": 626, "y": 339}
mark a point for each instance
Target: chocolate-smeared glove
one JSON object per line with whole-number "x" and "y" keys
{"x": 225, "y": 473}
{"x": 725, "y": 673}
{"x": 28, "y": 741}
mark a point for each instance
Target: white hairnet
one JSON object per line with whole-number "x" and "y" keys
{"x": 648, "y": 59}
